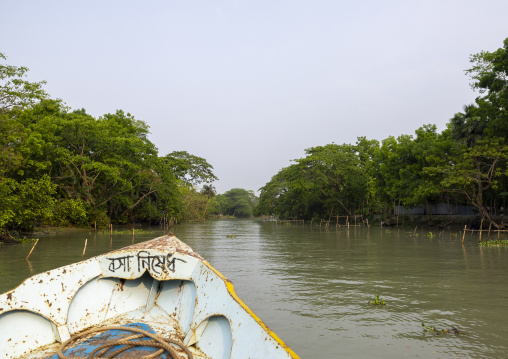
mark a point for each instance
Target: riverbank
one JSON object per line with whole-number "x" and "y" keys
{"x": 449, "y": 222}
{"x": 434, "y": 222}
{"x": 16, "y": 237}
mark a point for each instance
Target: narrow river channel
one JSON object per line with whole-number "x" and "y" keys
{"x": 314, "y": 287}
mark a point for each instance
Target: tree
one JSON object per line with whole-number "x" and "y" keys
{"x": 467, "y": 128}
{"x": 15, "y": 92}
{"x": 25, "y": 203}
{"x": 336, "y": 172}
{"x": 289, "y": 195}
{"x": 477, "y": 170}
{"x": 191, "y": 170}
{"x": 209, "y": 191}
{"x": 197, "y": 205}
{"x": 480, "y": 168}
{"x": 237, "y": 202}
{"x": 104, "y": 163}
{"x": 490, "y": 77}
{"x": 83, "y": 169}
{"x": 428, "y": 150}
{"x": 330, "y": 179}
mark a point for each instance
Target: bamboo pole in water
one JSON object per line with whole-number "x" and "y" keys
{"x": 481, "y": 226}
{"x": 32, "y": 248}
{"x": 30, "y": 267}
{"x": 464, "y": 235}
{"x": 84, "y": 249}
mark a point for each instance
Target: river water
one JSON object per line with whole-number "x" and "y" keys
{"x": 314, "y": 287}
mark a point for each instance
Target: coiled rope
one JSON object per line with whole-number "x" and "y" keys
{"x": 157, "y": 341}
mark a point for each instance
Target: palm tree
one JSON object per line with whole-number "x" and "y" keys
{"x": 209, "y": 190}
{"x": 467, "y": 128}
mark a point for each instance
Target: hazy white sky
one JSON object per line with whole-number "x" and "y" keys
{"x": 249, "y": 85}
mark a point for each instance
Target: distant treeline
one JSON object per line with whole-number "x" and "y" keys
{"x": 465, "y": 163}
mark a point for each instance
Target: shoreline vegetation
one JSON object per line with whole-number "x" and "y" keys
{"x": 410, "y": 226}
{"x": 65, "y": 168}
{"x": 463, "y": 168}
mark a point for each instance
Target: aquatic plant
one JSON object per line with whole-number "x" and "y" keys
{"x": 231, "y": 236}
{"x": 128, "y": 231}
{"x": 494, "y": 243}
{"x": 378, "y": 301}
{"x": 451, "y": 330}
{"x": 24, "y": 240}
{"x": 431, "y": 235}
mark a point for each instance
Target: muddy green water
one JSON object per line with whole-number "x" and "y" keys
{"x": 313, "y": 287}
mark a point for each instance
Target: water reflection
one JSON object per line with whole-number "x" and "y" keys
{"x": 313, "y": 286}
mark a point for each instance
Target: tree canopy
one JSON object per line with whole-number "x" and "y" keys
{"x": 60, "y": 166}
{"x": 467, "y": 162}
{"x": 237, "y": 202}
{"x": 16, "y": 92}
{"x": 330, "y": 179}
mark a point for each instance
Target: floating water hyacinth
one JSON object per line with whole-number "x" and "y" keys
{"x": 378, "y": 301}
{"x": 451, "y": 330}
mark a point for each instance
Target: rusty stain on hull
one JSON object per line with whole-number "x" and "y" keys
{"x": 168, "y": 243}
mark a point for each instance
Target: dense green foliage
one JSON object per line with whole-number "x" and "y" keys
{"x": 236, "y": 202}
{"x": 466, "y": 163}
{"x": 16, "y": 92}
{"x": 330, "y": 179}
{"x": 60, "y": 166}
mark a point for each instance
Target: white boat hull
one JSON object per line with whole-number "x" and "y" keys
{"x": 161, "y": 282}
